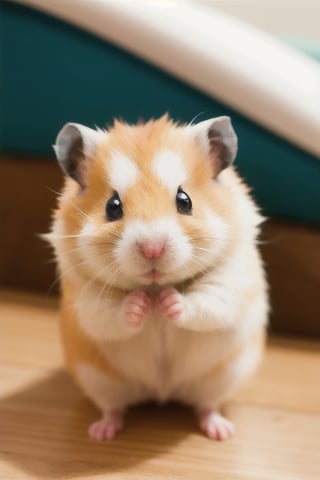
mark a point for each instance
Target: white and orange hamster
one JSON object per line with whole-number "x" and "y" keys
{"x": 163, "y": 291}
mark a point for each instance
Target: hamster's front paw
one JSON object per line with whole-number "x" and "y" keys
{"x": 136, "y": 306}
{"x": 170, "y": 303}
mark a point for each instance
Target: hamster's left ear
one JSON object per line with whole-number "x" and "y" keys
{"x": 75, "y": 146}
{"x": 219, "y": 141}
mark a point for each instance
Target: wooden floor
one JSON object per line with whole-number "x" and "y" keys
{"x": 43, "y": 417}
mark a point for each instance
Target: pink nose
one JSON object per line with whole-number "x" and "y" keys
{"x": 150, "y": 250}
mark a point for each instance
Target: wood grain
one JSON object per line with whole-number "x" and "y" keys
{"x": 43, "y": 416}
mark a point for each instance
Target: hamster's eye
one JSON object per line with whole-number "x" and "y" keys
{"x": 114, "y": 209}
{"x": 183, "y": 202}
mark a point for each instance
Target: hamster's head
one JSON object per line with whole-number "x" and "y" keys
{"x": 145, "y": 204}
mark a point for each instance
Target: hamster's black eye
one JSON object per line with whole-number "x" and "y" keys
{"x": 114, "y": 209}
{"x": 183, "y": 202}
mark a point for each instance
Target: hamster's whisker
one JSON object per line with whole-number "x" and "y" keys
{"x": 54, "y": 191}
{"x": 94, "y": 278}
{"x": 102, "y": 243}
{"x": 71, "y": 250}
{"x": 116, "y": 234}
{"x": 195, "y": 118}
{"x": 199, "y": 238}
{"x": 199, "y": 258}
{"x": 84, "y": 215}
{"x": 109, "y": 283}
{"x": 64, "y": 236}
{"x": 198, "y": 262}
{"x": 265, "y": 242}
{"x": 202, "y": 264}
{"x": 202, "y": 249}
{"x": 50, "y": 261}
{"x": 49, "y": 235}
{"x": 203, "y": 270}
{"x": 62, "y": 275}
{"x": 83, "y": 289}
{"x": 80, "y": 248}
{"x": 223, "y": 257}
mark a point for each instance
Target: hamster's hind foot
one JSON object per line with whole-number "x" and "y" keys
{"x": 107, "y": 427}
{"x": 215, "y": 425}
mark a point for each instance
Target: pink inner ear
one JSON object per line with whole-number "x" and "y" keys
{"x": 82, "y": 173}
{"x": 223, "y": 145}
{"x": 218, "y": 154}
{"x": 76, "y": 163}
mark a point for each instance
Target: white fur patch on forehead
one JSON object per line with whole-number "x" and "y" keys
{"x": 169, "y": 167}
{"x": 122, "y": 172}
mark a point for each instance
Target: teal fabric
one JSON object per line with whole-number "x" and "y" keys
{"x": 305, "y": 45}
{"x": 53, "y": 73}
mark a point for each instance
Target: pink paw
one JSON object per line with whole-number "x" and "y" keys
{"x": 136, "y": 307}
{"x": 215, "y": 425}
{"x": 170, "y": 303}
{"x": 107, "y": 427}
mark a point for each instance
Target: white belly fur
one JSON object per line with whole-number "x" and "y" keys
{"x": 164, "y": 362}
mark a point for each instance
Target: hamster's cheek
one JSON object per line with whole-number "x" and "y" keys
{"x": 94, "y": 250}
{"x": 218, "y": 229}
{"x": 207, "y": 234}
{"x": 87, "y": 246}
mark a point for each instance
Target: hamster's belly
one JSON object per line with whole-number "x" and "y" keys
{"x": 163, "y": 358}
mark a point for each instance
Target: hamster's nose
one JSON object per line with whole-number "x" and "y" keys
{"x": 150, "y": 250}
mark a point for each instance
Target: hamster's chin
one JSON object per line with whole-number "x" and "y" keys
{"x": 154, "y": 275}
{"x": 160, "y": 278}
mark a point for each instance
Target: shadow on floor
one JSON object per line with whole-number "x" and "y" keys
{"x": 43, "y": 431}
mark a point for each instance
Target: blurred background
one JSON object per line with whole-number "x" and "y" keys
{"x": 60, "y": 63}
{"x": 297, "y": 20}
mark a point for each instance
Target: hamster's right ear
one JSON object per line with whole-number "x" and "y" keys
{"x": 74, "y": 148}
{"x": 218, "y": 140}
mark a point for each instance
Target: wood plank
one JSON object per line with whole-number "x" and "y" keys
{"x": 289, "y": 377}
{"x": 26, "y": 202}
{"x": 291, "y": 253}
{"x": 44, "y": 417}
{"x": 29, "y": 329}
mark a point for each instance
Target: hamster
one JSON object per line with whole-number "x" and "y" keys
{"x": 164, "y": 295}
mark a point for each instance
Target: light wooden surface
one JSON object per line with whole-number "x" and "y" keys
{"x": 43, "y": 417}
